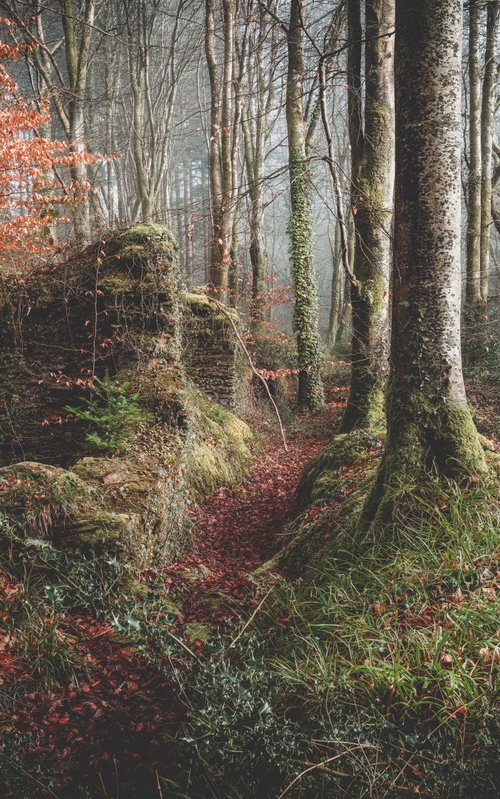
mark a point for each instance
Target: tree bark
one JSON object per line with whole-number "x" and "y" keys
{"x": 305, "y": 321}
{"x": 428, "y": 422}
{"x": 372, "y": 151}
{"x": 487, "y": 129}
{"x": 337, "y": 291}
{"x": 473, "y": 285}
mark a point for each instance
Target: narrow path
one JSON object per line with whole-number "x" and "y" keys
{"x": 111, "y": 727}
{"x": 235, "y": 531}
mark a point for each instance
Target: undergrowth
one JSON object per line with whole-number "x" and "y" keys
{"x": 112, "y": 415}
{"x": 377, "y": 679}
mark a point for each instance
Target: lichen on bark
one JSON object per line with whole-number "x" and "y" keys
{"x": 429, "y": 425}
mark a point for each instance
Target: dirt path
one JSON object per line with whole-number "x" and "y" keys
{"x": 111, "y": 727}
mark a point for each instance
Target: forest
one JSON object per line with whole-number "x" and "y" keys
{"x": 249, "y": 399}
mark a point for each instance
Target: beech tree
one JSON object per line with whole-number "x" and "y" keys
{"x": 428, "y": 420}
{"x": 371, "y": 135}
{"x": 222, "y": 152}
{"x": 32, "y": 192}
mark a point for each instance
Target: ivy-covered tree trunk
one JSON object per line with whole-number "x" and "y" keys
{"x": 305, "y": 321}
{"x": 428, "y": 421}
{"x": 372, "y": 152}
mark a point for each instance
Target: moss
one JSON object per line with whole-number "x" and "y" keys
{"x": 322, "y": 477}
{"x": 100, "y": 529}
{"x": 38, "y": 498}
{"x": 145, "y": 240}
{"x": 198, "y": 632}
{"x": 458, "y": 448}
{"x": 331, "y": 534}
{"x": 305, "y": 317}
{"x": 219, "y": 446}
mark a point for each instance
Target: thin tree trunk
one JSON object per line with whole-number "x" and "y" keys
{"x": 372, "y": 199}
{"x": 473, "y": 285}
{"x": 337, "y": 290}
{"x": 487, "y": 129}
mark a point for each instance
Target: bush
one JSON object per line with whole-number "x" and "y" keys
{"x": 111, "y": 414}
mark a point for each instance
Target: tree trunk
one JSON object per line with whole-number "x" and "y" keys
{"x": 428, "y": 421}
{"x": 305, "y": 321}
{"x": 487, "y": 128}
{"x": 372, "y": 197}
{"x": 337, "y": 291}
{"x": 473, "y": 290}
{"x": 221, "y": 144}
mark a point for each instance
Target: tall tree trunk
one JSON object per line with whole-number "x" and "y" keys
{"x": 473, "y": 285}
{"x": 487, "y": 129}
{"x": 372, "y": 197}
{"x": 337, "y": 291}
{"x": 77, "y": 61}
{"x": 428, "y": 421}
{"x": 221, "y": 144}
{"x": 305, "y": 321}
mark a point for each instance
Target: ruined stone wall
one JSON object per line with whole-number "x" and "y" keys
{"x": 115, "y": 313}
{"x": 209, "y": 349}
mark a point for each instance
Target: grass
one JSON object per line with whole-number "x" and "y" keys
{"x": 378, "y": 677}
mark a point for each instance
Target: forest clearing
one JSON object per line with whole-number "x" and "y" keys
{"x": 249, "y": 399}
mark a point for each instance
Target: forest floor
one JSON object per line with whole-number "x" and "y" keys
{"x": 114, "y": 717}
{"x": 110, "y": 724}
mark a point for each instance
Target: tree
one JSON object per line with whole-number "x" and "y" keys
{"x": 487, "y": 129}
{"x": 257, "y": 125}
{"x": 305, "y": 320}
{"x": 481, "y": 126}
{"x": 372, "y": 175}
{"x": 222, "y": 152}
{"x": 65, "y": 87}
{"x": 428, "y": 421}
{"x": 31, "y": 193}
{"x": 473, "y": 290}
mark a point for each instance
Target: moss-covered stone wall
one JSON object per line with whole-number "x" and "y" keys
{"x": 115, "y": 313}
{"x": 210, "y": 348}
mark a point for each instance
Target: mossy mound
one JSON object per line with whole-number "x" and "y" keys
{"x": 222, "y": 446}
{"x": 320, "y": 478}
{"x": 102, "y": 505}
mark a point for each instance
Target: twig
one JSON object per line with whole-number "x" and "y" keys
{"x": 320, "y": 765}
{"x": 252, "y": 617}
{"x": 184, "y": 646}
{"x": 254, "y": 370}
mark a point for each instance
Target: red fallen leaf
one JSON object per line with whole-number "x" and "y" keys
{"x": 445, "y": 660}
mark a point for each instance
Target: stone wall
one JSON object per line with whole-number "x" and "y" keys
{"x": 210, "y": 348}
{"x": 115, "y": 313}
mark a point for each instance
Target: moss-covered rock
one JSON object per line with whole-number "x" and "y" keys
{"x": 210, "y": 347}
{"x": 221, "y": 446}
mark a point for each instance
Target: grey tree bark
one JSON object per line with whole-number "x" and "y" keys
{"x": 487, "y": 130}
{"x": 428, "y": 420}
{"x": 372, "y": 153}
{"x": 473, "y": 284}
